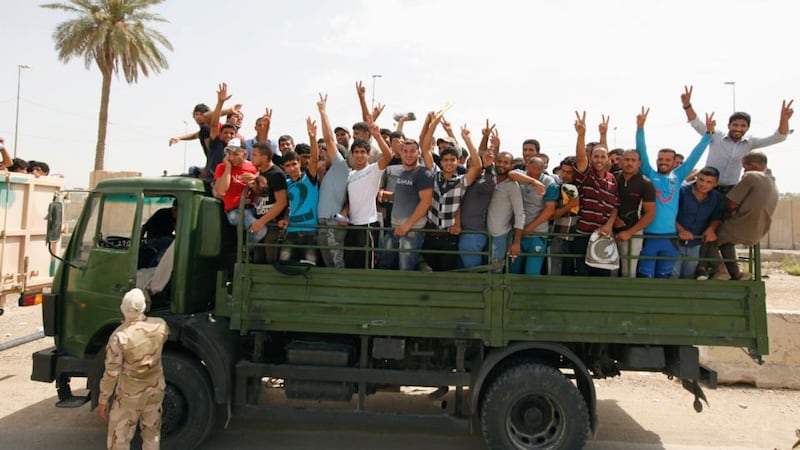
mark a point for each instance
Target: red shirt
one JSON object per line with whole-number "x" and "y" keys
{"x": 234, "y": 193}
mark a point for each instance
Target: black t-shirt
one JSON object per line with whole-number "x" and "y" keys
{"x": 275, "y": 181}
{"x": 216, "y": 153}
{"x": 631, "y": 193}
{"x": 204, "y": 134}
{"x": 161, "y": 223}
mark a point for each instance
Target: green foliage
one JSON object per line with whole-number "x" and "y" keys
{"x": 114, "y": 35}
{"x": 791, "y": 265}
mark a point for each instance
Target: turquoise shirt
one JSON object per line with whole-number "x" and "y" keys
{"x": 667, "y": 185}
{"x": 303, "y": 198}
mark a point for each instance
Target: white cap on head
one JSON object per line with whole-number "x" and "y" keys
{"x": 133, "y": 304}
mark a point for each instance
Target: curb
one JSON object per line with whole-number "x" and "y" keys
{"x": 21, "y": 340}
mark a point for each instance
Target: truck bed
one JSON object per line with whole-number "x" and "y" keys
{"x": 499, "y": 308}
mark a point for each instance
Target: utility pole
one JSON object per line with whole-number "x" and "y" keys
{"x": 732, "y": 84}
{"x": 374, "y": 77}
{"x": 16, "y": 120}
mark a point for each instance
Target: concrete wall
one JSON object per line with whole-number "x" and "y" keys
{"x": 784, "y": 234}
{"x": 781, "y": 367}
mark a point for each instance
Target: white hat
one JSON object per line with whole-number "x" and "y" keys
{"x": 234, "y": 144}
{"x": 133, "y": 304}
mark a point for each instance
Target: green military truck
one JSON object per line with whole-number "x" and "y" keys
{"x": 520, "y": 352}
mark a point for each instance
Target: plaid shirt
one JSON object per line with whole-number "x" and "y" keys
{"x": 447, "y": 196}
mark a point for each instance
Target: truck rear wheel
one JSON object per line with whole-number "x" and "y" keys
{"x": 187, "y": 413}
{"x": 533, "y": 406}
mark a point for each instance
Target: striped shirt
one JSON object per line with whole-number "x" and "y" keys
{"x": 598, "y": 199}
{"x": 447, "y": 195}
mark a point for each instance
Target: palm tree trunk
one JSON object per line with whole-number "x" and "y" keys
{"x": 102, "y": 122}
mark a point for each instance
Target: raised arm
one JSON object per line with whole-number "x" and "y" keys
{"x": 222, "y": 97}
{"x": 485, "y": 133}
{"x": 376, "y": 111}
{"x": 786, "y": 114}
{"x": 262, "y": 127}
{"x": 386, "y": 151}
{"x": 641, "y": 145}
{"x": 402, "y": 120}
{"x": 603, "y": 128}
{"x": 362, "y": 101}
{"x": 311, "y": 126}
{"x": 185, "y": 137}
{"x": 425, "y": 125}
{"x": 686, "y": 101}
{"x": 449, "y": 130}
{"x": 475, "y": 166}
{"x": 237, "y": 108}
{"x": 327, "y": 132}
{"x": 691, "y": 160}
{"x": 494, "y": 141}
{"x": 691, "y": 115}
{"x": 431, "y": 122}
{"x": 582, "y": 162}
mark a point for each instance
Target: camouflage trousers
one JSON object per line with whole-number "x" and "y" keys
{"x": 126, "y": 412}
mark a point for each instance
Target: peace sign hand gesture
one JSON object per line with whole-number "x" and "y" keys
{"x": 686, "y": 97}
{"x": 580, "y": 123}
{"x": 641, "y": 118}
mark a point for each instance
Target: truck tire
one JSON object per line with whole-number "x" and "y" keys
{"x": 533, "y": 406}
{"x": 187, "y": 413}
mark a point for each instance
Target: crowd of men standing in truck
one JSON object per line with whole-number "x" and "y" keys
{"x": 375, "y": 198}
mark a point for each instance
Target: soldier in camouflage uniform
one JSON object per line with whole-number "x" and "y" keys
{"x": 133, "y": 372}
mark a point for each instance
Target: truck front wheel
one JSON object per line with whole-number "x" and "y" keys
{"x": 187, "y": 413}
{"x": 533, "y": 406}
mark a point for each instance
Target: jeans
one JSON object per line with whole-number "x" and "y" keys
{"x": 657, "y": 246}
{"x": 331, "y": 236}
{"x": 532, "y": 264}
{"x": 249, "y": 219}
{"x": 499, "y": 250}
{"x": 686, "y": 268}
{"x": 471, "y": 242}
{"x": 401, "y": 260}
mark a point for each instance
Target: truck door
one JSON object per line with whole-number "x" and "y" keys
{"x": 103, "y": 266}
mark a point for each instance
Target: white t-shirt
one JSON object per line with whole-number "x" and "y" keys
{"x": 362, "y": 188}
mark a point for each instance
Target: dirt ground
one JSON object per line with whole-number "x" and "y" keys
{"x": 642, "y": 408}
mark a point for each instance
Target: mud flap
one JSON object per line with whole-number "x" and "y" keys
{"x": 694, "y": 387}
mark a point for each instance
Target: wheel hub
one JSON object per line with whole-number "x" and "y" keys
{"x": 534, "y": 422}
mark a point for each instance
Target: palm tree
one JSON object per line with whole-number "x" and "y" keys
{"x": 112, "y": 34}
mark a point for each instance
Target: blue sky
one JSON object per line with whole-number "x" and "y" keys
{"x": 524, "y": 65}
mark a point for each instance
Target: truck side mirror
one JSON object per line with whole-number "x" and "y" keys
{"x": 209, "y": 225}
{"x": 55, "y": 214}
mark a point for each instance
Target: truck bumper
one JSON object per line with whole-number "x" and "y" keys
{"x": 49, "y": 365}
